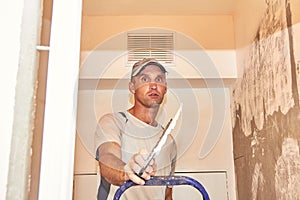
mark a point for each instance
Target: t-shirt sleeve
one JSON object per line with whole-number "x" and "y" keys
{"x": 108, "y": 130}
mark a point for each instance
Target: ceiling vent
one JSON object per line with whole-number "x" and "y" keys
{"x": 156, "y": 45}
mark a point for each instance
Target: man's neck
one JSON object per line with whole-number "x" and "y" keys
{"x": 145, "y": 114}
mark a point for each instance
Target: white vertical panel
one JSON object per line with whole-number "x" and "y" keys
{"x": 11, "y": 17}
{"x": 61, "y": 102}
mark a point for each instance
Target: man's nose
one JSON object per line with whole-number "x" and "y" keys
{"x": 153, "y": 86}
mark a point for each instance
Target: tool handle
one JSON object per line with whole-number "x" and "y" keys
{"x": 150, "y": 157}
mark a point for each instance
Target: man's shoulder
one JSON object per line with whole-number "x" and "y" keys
{"x": 114, "y": 116}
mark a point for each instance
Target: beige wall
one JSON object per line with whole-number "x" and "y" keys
{"x": 203, "y": 29}
{"x": 214, "y": 35}
{"x": 246, "y": 20}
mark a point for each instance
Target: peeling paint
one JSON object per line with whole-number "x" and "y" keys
{"x": 257, "y": 180}
{"x": 266, "y": 111}
{"x": 287, "y": 176}
{"x": 266, "y": 85}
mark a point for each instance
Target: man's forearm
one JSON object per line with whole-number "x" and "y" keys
{"x": 168, "y": 193}
{"x": 111, "y": 165}
{"x": 113, "y": 172}
{"x": 116, "y": 172}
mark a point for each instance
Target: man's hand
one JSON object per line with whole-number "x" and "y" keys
{"x": 134, "y": 165}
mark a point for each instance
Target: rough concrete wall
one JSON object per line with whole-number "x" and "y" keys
{"x": 266, "y": 115}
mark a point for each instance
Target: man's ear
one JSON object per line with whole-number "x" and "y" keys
{"x": 131, "y": 87}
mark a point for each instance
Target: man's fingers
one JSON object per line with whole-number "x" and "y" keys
{"x": 146, "y": 176}
{"x": 144, "y": 154}
{"x": 130, "y": 172}
{"x": 133, "y": 167}
{"x": 136, "y": 179}
{"x": 139, "y": 160}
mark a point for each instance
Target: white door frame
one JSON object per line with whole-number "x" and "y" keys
{"x": 57, "y": 162}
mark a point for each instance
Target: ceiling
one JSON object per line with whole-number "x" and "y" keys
{"x": 157, "y": 7}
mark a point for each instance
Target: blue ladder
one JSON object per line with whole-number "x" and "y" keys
{"x": 165, "y": 181}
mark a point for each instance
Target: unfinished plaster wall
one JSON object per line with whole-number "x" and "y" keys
{"x": 21, "y": 34}
{"x": 265, "y": 106}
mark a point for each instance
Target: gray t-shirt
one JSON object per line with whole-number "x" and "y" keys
{"x": 132, "y": 135}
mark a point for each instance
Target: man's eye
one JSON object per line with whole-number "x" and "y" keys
{"x": 158, "y": 79}
{"x": 144, "y": 79}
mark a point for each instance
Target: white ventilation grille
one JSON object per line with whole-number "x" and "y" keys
{"x": 155, "y": 45}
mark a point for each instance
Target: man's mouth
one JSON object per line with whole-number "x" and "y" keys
{"x": 153, "y": 95}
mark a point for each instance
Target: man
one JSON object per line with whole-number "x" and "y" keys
{"x": 123, "y": 140}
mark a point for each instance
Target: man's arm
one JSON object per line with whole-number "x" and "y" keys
{"x": 115, "y": 171}
{"x": 111, "y": 166}
{"x": 169, "y": 190}
{"x": 168, "y": 193}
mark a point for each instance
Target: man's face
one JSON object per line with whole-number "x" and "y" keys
{"x": 149, "y": 86}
